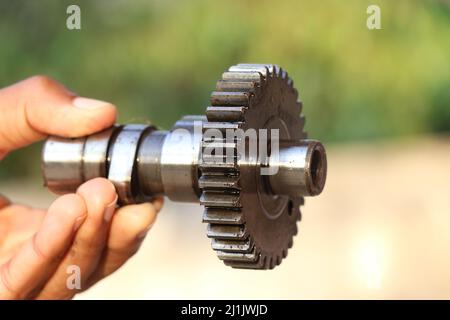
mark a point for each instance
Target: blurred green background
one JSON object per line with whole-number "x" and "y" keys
{"x": 159, "y": 60}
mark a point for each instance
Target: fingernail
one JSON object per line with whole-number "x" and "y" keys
{"x": 78, "y": 222}
{"x": 158, "y": 203}
{"x": 109, "y": 210}
{"x": 86, "y": 103}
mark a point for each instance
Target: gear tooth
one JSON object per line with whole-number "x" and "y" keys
{"x": 242, "y": 257}
{"x": 219, "y": 159}
{"x": 271, "y": 69}
{"x": 281, "y": 73}
{"x": 216, "y": 143}
{"x": 220, "y": 200}
{"x": 218, "y": 167}
{"x": 251, "y": 76}
{"x": 290, "y": 82}
{"x": 295, "y": 232}
{"x": 268, "y": 263}
{"x": 272, "y": 263}
{"x": 243, "y": 265}
{"x": 302, "y": 201}
{"x": 236, "y": 86}
{"x": 291, "y": 243}
{"x": 259, "y": 264}
{"x": 302, "y": 121}
{"x": 263, "y": 68}
{"x": 240, "y": 88}
{"x": 218, "y": 153}
{"x": 235, "y": 246}
{"x": 193, "y": 117}
{"x": 222, "y": 126}
{"x": 295, "y": 92}
{"x": 285, "y": 253}
{"x": 276, "y": 70}
{"x": 225, "y": 113}
{"x": 249, "y": 67}
{"x": 211, "y": 168}
{"x": 230, "y": 98}
{"x": 263, "y": 262}
{"x": 218, "y": 182}
{"x": 299, "y": 107}
{"x": 278, "y": 260}
{"x": 223, "y": 216}
{"x": 231, "y": 232}
{"x": 298, "y": 215}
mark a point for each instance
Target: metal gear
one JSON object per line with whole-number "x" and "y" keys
{"x": 251, "y": 218}
{"x": 249, "y": 227}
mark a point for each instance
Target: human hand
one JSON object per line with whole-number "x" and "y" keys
{"x": 83, "y": 229}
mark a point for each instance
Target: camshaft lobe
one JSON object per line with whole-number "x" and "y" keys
{"x": 140, "y": 161}
{"x": 67, "y": 163}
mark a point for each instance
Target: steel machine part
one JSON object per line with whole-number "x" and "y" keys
{"x": 252, "y": 217}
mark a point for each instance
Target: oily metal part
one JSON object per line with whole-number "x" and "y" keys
{"x": 95, "y": 154}
{"x": 250, "y": 227}
{"x": 122, "y": 169}
{"x": 179, "y": 160}
{"x": 67, "y": 163}
{"x": 62, "y": 164}
{"x": 167, "y": 161}
{"x": 252, "y": 218}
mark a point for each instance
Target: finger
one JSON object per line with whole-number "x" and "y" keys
{"x": 4, "y": 201}
{"x": 40, "y": 106}
{"x": 30, "y": 267}
{"x": 100, "y": 198}
{"x": 129, "y": 227}
{"x": 18, "y": 223}
{"x": 158, "y": 203}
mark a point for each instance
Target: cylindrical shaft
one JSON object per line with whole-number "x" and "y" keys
{"x": 301, "y": 169}
{"x": 142, "y": 163}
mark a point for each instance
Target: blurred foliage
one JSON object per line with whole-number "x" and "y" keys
{"x": 159, "y": 60}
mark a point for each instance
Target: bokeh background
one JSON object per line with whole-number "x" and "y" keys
{"x": 378, "y": 99}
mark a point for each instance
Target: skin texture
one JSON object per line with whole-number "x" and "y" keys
{"x": 85, "y": 229}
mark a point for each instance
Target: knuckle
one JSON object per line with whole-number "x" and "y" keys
{"x": 6, "y": 291}
{"x": 36, "y": 249}
{"x": 42, "y": 82}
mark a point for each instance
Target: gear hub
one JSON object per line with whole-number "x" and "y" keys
{"x": 248, "y": 161}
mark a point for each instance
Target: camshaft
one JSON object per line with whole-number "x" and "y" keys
{"x": 143, "y": 162}
{"x": 247, "y": 160}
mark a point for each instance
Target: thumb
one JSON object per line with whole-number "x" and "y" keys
{"x": 39, "y": 106}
